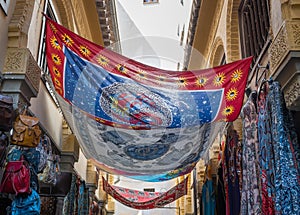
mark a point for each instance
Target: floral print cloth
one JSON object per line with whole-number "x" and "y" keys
{"x": 250, "y": 194}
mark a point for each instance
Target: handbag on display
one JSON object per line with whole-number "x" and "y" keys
{"x": 52, "y": 168}
{"x": 44, "y": 147}
{"x": 26, "y": 204}
{"x": 26, "y": 131}
{"x": 6, "y": 112}
{"x": 16, "y": 178}
{"x": 14, "y": 154}
{"x": 51, "y": 171}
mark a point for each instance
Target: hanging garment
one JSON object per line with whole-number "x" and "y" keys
{"x": 69, "y": 200}
{"x": 220, "y": 193}
{"x": 266, "y": 155}
{"x": 233, "y": 169}
{"x": 83, "y": 200}
{"x": 225, "y": 178}
{"x": 250, "y": 194}
{"x": 208, "y": 198}
{"x": 287, "y": 185}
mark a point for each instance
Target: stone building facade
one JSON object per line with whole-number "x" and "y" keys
{"x": 228, "y": 30}
{"x": 23, "y": 75}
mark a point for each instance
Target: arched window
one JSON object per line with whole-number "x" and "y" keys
{"x": 254, "y": 27}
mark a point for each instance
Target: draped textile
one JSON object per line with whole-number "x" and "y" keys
{"x": 220, "y": 193}
{"x": 233, "y": 172}
{"x": 250, "y": 193}
{"x": 287, "y": 184}
{"x": 69, "y": 200}
{"x": 136, "y": 120}
{"x": 136, "y": 195}
{"x": 145, "y": 200}
{"x": 208, "y": 198}
{"x": 83, "y": 199}
{"x": 266, "y": 155}
{"x": 279, "y": 154}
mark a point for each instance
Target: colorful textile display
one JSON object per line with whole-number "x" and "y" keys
{"x": 266, "y": 155}
{"x": 250, "y": 193}
{"x": 232, "y": 172}
{"x": 287, "y": 184}
{"x": 144, "y": 200}
{"x": 83, "y": 199}
{"x": 136, "y": 195}
{"x": 208, "y": 198}
{"x": 136, "y": 120}
{"x": 220, "y": 193}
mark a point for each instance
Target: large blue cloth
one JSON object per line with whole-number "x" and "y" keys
{"x": 133, "y": 119}
{"x": 287, "y": 184}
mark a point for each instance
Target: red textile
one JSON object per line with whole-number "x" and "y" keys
{"x": 143, "y": 200}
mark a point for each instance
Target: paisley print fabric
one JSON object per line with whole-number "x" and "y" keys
{"x": 250, "y": 194}
{"x": 266, "y": 155}
{"x": 287, "y": 186}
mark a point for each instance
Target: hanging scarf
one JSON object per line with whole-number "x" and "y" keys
{"x": 250, "y": 194}
{"x": 69, "y": 200}
{"x": 208, "y": 198}
{"x": 287, "y": 186}
{"x": 83, "y": 199}
{"x": 233, "y": 172}
{"x": 266, "y": 155}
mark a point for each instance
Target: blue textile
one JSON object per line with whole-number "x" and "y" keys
{"x": 208, "y": 198}
{"x": 287, "y": 186}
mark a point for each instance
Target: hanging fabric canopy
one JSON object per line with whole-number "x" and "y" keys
{"x": 145, "y": 200}
{"x": 136, "y": 120}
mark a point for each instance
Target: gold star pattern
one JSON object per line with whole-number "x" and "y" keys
{"x": 236, "y": 76}
{"x": 121, "y": 68}
{"x": 141, "y": 74}
{"x": 56, "y": 59}
{"x": 84, "y": 50}
{"x": 53, "y": 28}
{"x": 54, "y": 43}
{"x": 228, "y": 110}
{"x": 57, "y": 83}
{"x": 67, "y": 40}
{"x": 103, "y": 61}
{"x": 201, "y": 81}
{"x": 231, "y": 94}
{"x": 56, "y": 72}
{"x": 182, "y": 82}
{"x": 219, "y": 79}
{"x": 160, "y": 79}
